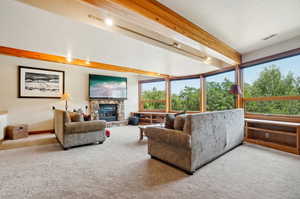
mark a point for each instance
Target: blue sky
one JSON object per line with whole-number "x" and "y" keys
{"x": 285, "y": 65}
{"x": 250, "y": 75}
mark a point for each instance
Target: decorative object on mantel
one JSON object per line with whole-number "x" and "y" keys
{"x": 40, "y": 83}
{"x": 14, "y": 132}
{"x": 66, "y": 97}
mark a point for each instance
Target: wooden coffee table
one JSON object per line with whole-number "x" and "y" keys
{"x": 143, "y": 128}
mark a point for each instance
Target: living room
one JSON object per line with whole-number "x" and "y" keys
{"x": 149, "y": 99}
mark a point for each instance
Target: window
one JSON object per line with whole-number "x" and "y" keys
{"x": 217, "y": 91}
{"x": 185, "y": 95}
{"x": 153, "y": 95}
{"x": 271, "y": 80}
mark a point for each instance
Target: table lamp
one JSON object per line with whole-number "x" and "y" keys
{"x": 66, "y": 97}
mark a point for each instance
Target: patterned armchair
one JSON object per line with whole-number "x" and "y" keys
{"x": 202, "y": 138}
{"x": 70, "y": 134}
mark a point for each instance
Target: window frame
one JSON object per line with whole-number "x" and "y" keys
{"x": 200, "y": 92}
{"x": 240, "y": 102}
{"x": 236, "y": 81}
{"x": 276, "y": 117}
{"x": 141, "y": 101}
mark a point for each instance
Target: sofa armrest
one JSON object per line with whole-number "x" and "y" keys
{"x": 82, "y": 127}
{"x": 169, "y": 136}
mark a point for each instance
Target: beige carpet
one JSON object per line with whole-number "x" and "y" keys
{"x": 121, "y": 168}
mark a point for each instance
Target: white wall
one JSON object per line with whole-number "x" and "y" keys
{"x": 37, "y": 112}
{"x": 272, "y": 50}
{"x": 30, "y": 28}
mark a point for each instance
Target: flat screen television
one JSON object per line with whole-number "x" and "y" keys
{"x": 107, "y": 87}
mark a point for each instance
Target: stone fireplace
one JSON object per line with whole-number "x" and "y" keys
{"x": 102, "y": 106}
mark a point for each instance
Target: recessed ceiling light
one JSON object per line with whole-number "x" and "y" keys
{"x": 109, "y": 21}
{"x": 269, "y": 37}
{"x": 69, "y": 58}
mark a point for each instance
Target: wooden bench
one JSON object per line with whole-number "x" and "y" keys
{"x": 284, "y": 136}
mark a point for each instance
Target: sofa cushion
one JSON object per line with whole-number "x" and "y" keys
{"x": 83, "y": 127}
{"x": 179, "y": 122}
{"x": 77, "y": 117}
{"x": 169, "y": 136}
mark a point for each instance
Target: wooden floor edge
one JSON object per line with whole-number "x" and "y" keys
{"x": 77, "y": 62}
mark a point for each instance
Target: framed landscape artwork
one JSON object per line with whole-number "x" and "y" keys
{"x": 40, "y": 83}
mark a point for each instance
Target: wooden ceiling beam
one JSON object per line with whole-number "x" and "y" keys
{"x": 155, "y": 11}
{"x": 75, "y": 62}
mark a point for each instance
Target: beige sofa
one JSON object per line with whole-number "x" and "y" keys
{"x": 70, "y": 134}
{"x": 205, "y": 136}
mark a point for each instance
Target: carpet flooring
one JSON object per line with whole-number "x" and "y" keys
{"x": 121, "y": 168}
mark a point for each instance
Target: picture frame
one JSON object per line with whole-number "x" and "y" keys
{"x": 40, "y": 83}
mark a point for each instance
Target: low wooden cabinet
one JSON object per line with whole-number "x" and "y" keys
{"x": 284, "y": 136}
{"x": 150, "y": 117}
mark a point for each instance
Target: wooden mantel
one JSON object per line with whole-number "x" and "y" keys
{"x": 161, "y": 14}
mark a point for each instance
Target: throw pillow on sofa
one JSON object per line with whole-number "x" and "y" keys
{"x": 76, "y": 117}
{"x": 170, "y": 119}
{"x": 179, "y": 122}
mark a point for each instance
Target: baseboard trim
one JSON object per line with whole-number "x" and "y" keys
{"x": 41, "y": 132}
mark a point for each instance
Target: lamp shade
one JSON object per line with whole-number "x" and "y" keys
{"x": 235, "y": 90}
{"x": 65, "y": 96}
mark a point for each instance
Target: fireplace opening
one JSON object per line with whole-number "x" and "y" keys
{"x": 108, "y": 112}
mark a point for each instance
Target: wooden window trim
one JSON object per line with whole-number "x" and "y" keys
{"x": 271, "y": 98}
{"x": 283, "y": 118}
{"x": 289, "y": 53}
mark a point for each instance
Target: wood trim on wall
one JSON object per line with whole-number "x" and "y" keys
{"x": 271, "y": 98}
{"x": 76, "y": 62}
{"x": 283, "y": 118}
{"x": 282, "y": 55}
{"x": 202, "y": 93}
{"x": 152, "y": 80}
{"x": 168, "y": 95}
{"x": 215, "y": 72}
{"x": 239, "y": 81}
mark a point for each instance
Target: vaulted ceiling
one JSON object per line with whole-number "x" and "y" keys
{"x": 243, "y": 24}
{"x": 215, "y": 36}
